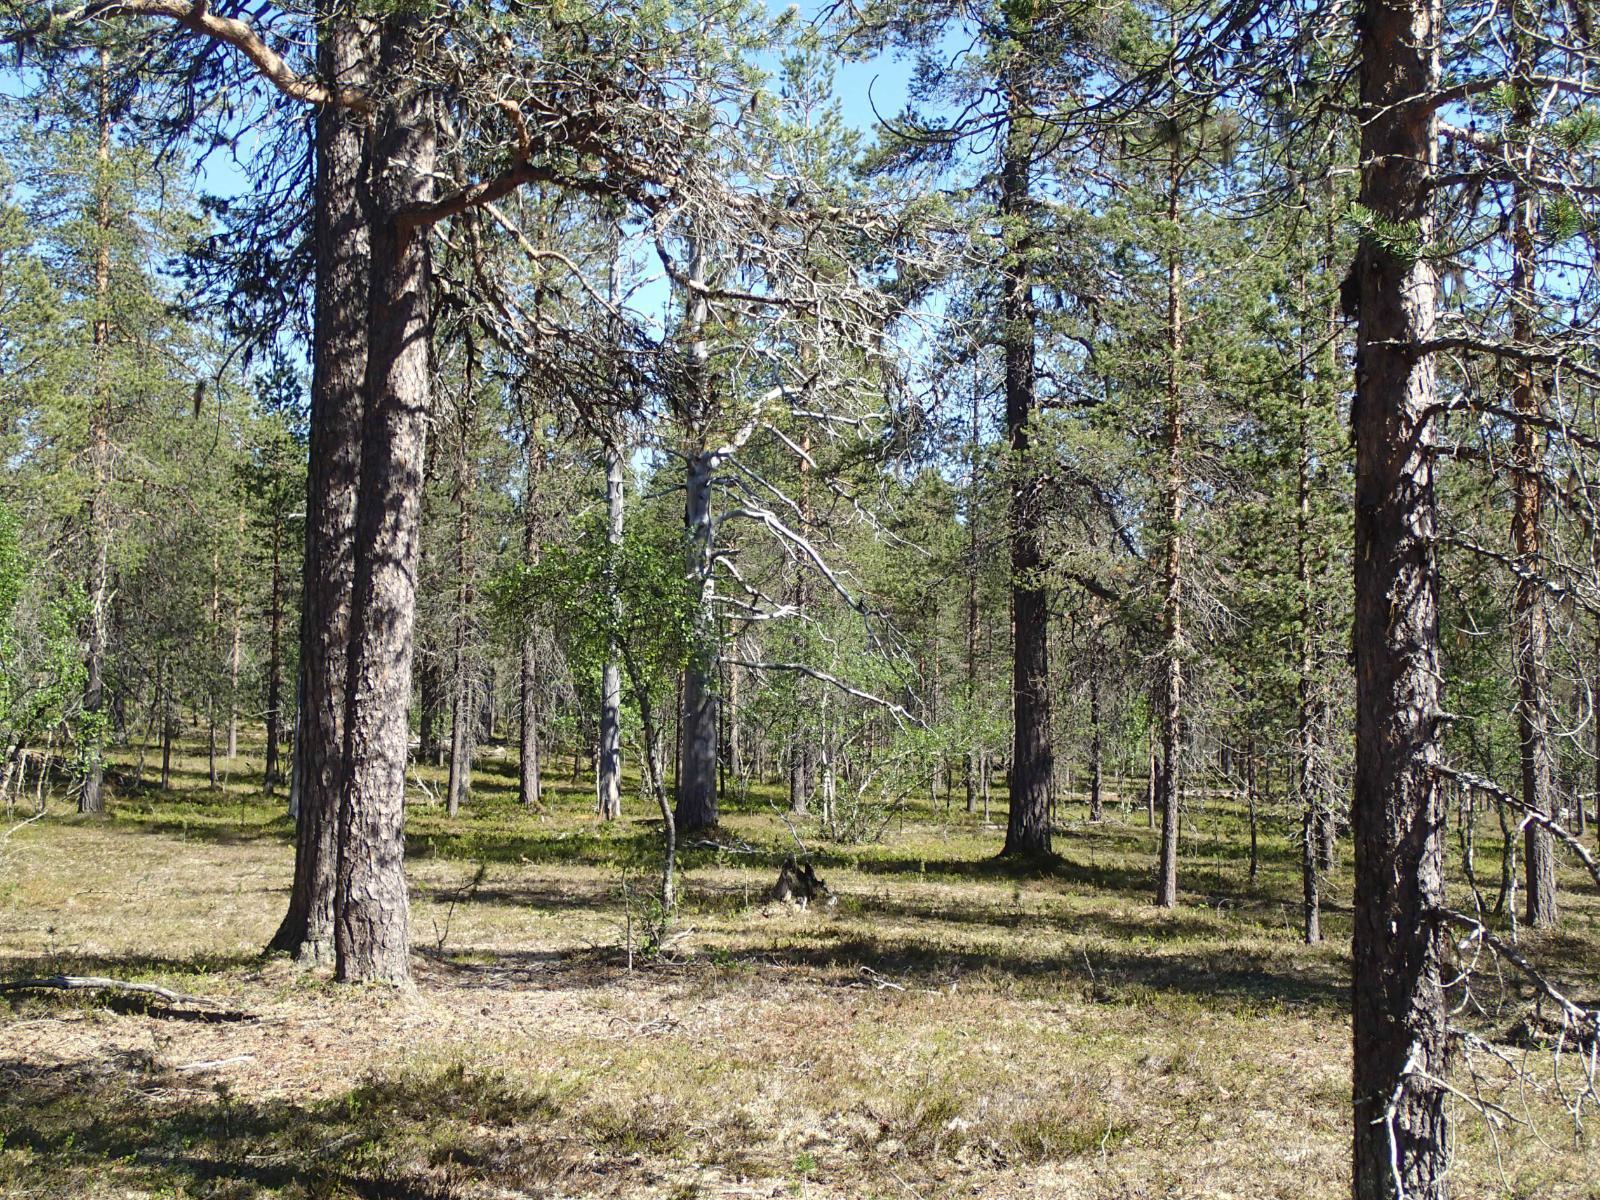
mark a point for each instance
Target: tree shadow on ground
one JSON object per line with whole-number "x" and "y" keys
{"x": 1217, "y": 977}
{"x": 133, "y": 1123}
{"x": 1224, "y": 978}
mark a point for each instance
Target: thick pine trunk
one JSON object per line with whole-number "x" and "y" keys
{"x": 339, "y": 355}
{"x": 372, "y": 927}
{"x": 608, "y": 764}
{"x": 698, "y": 714}
{"x": 697, "y": 782}
{"x": 1032, "y": 758}
{"x": 1401, "y": 1139}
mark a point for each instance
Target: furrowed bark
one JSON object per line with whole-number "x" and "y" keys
{"x": 372, "y": 928}
{"x": 697, "y": 739}
{"x": 1400, "y": 1048}
{"x": 1032, "y": 757}
{"x": 339, "y": 356}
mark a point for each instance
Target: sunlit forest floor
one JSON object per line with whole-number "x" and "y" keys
{"x": 952, "y": 1027}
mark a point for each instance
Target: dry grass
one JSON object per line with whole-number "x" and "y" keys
{"x": 950, "y": 1029}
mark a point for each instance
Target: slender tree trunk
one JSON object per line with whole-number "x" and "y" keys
{"x": 608, "y": 782}
{"x": 1594, "y": 717}
{"x": 489, "y": 716}
{"x": 463, "y": 683}
{"x": 215, "y": 625}
{"x": 165, "y": 707}
{"x": 1032, "y": 757}
{"x": 1252, "y": 798}
{"x": 1097, "y": 811}
{"x": 530, "y": 790}
{"x": 529, "y": 787}
{"x": 1152, "y": 769}
{"x": 372, "y": 929}
{"x": 803, "y": 756}
{"x": 430, "y": 704}
{"x": 1169, "y": 796}
{"x": 1401, "y": 1138}
{"x": 339, "y": 355}
{"x": 972, "y": 584}
{"x": 1530, "y": 620}
{"x": 657, "y": 786}
{"x": 736, "y": 747}
{"x": 98, "y": 515}
{"x": 235, "y": 654}
{"x": 274, "y": 662}
{"x": 1310, "y": 879}
{"x": 1313, "y": 824}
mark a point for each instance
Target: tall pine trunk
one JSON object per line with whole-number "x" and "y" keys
{"x": 98, "y": 517}
{"x": 372, "y": 927}
{"x": 1400, "y": 1043}
{"x": 1169, "y": 784}
{"x": 1311, "y": 798}
{"x": 972, "y": 593}
{"x": 698, "y": 715}
{"x": 1032, "y": 759}
{"x": 339, "y": 356}
{"x": 1530, "y": 620}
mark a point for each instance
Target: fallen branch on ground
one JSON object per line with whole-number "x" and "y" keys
{"x": 211, "y": 1064}
{"x": 86, "y": 983}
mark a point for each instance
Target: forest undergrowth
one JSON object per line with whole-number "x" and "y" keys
{"x": 951, "y": 1026}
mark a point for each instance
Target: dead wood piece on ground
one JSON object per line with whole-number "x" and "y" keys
{"x": 798, "y": 884}
{"x": 86, "y": 983}
{"x": 212, "y": 1064}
